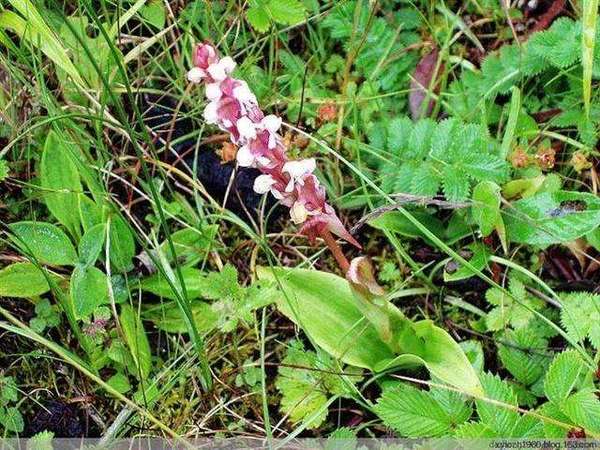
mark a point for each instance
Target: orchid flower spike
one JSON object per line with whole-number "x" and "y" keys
{"x": 233, "y": 107}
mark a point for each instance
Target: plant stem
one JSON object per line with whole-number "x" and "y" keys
{"x": 336, "y": 250}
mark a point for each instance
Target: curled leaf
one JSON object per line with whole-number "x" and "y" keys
{"x": 361, "y": 277}
{"x": 421, "y": 83}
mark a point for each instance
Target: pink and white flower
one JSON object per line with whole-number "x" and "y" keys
{"x": 233, "y": 108}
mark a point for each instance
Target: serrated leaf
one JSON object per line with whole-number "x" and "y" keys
{"x": 258, "y": 18}
{"x": 500, "y": 419}
{"x": 560, "y": 45}
{"x": 551, "y": 429}
{"x": 425, "y": 181}
{"x": 523, "y": 354}
{"x": 12, "y": 419}
{"x": 307, "y": 381}
{"x": 412, "y": 412}
{"x": 286, "y": 12}
{"x": 455, "y": 184}
{"x": 580, "y": 316}
{"x": 583, "y": 408}
{"x": 399, "y": 130}
{"x": 474, "y": 430}
{"x": 562, "y": 376}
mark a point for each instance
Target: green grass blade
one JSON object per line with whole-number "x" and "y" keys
{"x": 590, "y": 16}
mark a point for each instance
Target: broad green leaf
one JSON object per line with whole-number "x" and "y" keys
{"x": 524, "y": 187}
{"x": 119, "y": 382}
{"x": 326, "y": 308}
{"x": 191, "y": 244}
{"x": 46, "y": 242}
{"x": 22, "y": 280}
{"x": 396, "y": 222}
{"x": 412, "y": 412}
{"x": 552, "y": 217}
{"x": 90, "y": 213}
{"x": 89, "y": 289}
{"x": 434, "y": 348}
{"x": 562, "y": 376}
{"x": 61, "y": 182}
{"x": 286, "y": 12}
{"x": 170, "y": 318}
{"x": 122, "y": 244}
{"x": 194, "y": 279}
{"x": 258, "y": 17}
{"x": 480, "y": 255}
{"x": 154, "y": 13}
{"x": 137, "y": 341}
{"x": 486, "y": 208}
{"x": 91, "y": 244}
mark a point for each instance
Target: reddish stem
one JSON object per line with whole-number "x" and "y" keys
{"x": 336, "y": 250}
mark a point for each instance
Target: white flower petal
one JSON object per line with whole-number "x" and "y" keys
{"x": 298, "y": 213}
{"x": 195, "y": 75}
{"x": 213, "y": 91}
{"x": 263, "y": 183}
{"x": 211, "y": 112}
{"x": 246, "y": 128}
{"x": 296, "y": 169}
{"x": 243, "y": 94}
{"x": 217, "y": 71}
{"x": 271, "y": 123}
{"x": 228, "y": 64}
{"x": 263, "y": 161}
{"x": 244, "y": 156}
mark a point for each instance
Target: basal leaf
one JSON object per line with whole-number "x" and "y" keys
{"x": 122, "y": 244}
{"x": 326, "y": 308}
{"x": 61, "y": 182}
{"x": 322, "y": 304}
{"x": 46, "y": 242}
{"x": 89, "y": 289}
{"x": 91, "y": 244}
{"x": 22, "y": 280}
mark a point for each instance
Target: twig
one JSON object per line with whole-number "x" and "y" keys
{"x": 402, "y": 199}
